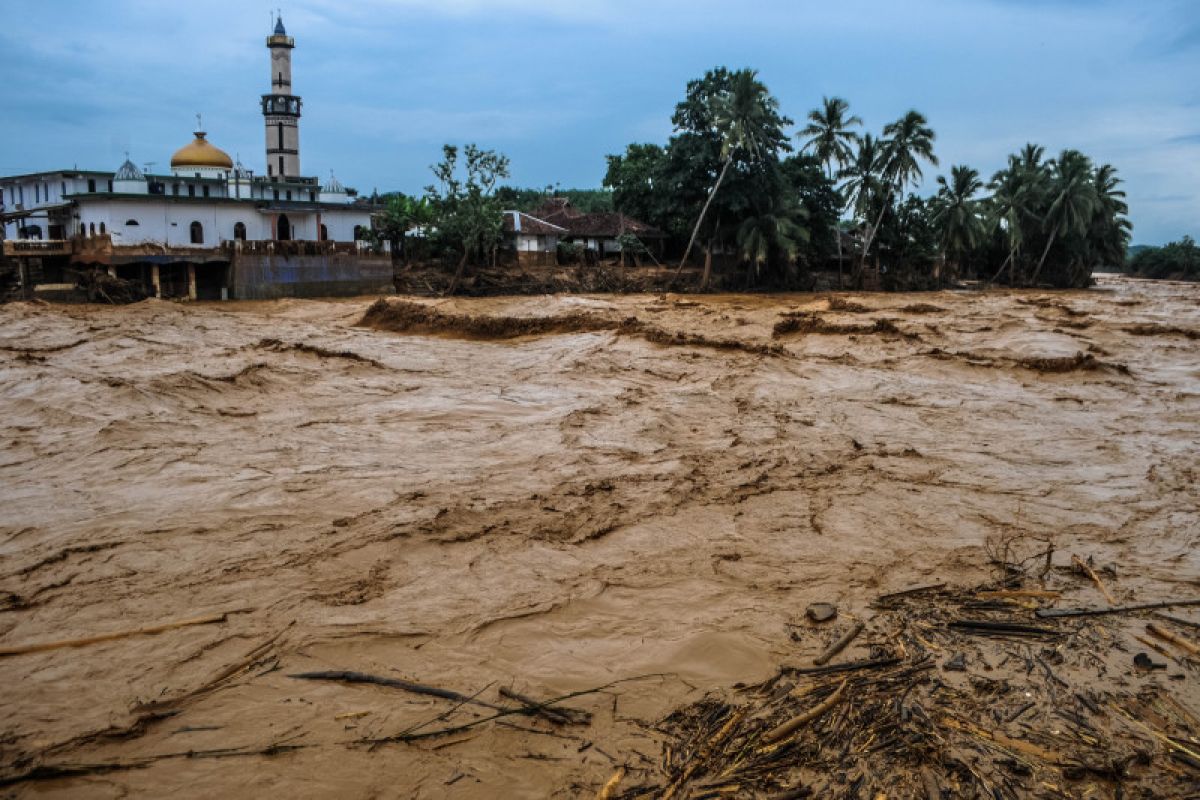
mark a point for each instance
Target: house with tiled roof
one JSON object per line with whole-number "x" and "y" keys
{"x": 597, "y": 231}
{"x": 534, "y": 240}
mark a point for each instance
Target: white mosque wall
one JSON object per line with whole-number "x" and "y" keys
{"x": 170, "y": 223}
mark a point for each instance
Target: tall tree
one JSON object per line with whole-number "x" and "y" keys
{"x": 1072, "y": 200}
{"x": 908, "y": 142}
{"x": 469, "y": 217}
{"x": 956, "y": 213}
{"x": 746, "y": 118}
{"x": 831, "y": 141}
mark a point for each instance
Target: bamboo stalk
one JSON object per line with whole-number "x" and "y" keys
{"x": 610, "y": 787}
{"x": 1175, "y": 639}
{"x": 37, "y": 647}
{"x": 1095, "y": 579}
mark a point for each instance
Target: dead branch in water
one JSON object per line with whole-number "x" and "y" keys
{"x": 344, "y": 676}
{"x": 1056, "y": 613}
{"x": 37, "y": 647}
{"x": 1091, "y": 573}
{"x": 840, "y": 644}
{"x": 791, "y": 726}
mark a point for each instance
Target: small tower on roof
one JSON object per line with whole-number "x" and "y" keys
{"x": 281, "y": 108}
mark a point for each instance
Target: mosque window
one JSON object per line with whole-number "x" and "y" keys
{"x": 312, "y": 197}
{"x": 239, "y": 231}
{"x": 175, "y": 188}
{"x": 91, "y": 184}
{"x": 197, "y": 233}
{"x": 206, "y": 191}
{"x": 358, "y": 233}
{"x": 275, "y": 192}
{"x": 102, "y": 229}
{"x": 191, "y": 190}
{"x": 37, "y": 193}
{"x": 130, "y": 222}
{"x": 289, "y": 194}
{"x": 64, "y": 188}
{"x": 91, "y": 229}
{"x": 324, "y": 233}
{"x": 110, "y": 186}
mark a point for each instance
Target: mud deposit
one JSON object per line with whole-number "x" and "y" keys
{"x": 553, "y": 494}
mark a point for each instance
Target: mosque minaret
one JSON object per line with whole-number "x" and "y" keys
{"x": 281, "y": 108}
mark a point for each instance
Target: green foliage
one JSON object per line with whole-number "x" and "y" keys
{"x": 584, "y": 200}
{"x": 400, "y": 215}
{"x": 1177, "y": 260}
{"x": 467, "y": 215}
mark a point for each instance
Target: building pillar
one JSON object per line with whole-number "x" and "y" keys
{"x": 274, "y": 227}
{"x": 155, "y": 281}
{"x": 191, "y": 281}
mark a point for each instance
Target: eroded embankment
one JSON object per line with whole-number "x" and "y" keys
{"x": 415, "y": 318}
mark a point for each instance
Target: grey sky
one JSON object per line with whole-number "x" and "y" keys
{"x": 557, "y": 84}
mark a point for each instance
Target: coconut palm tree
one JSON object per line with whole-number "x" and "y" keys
{"x": 830, "y": 140}
{"x": 1109, "y": 233}
{"x": 776, "y": 232}
{"x": 744, "y": 116}
{"x": 957, "y": 212}
{"x": 1073, "y": 200}
{"x": 909, "y": 142}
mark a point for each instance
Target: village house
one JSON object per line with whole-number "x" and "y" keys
{"x": 597, "y": 232}
{"x": 208, "y": 229}
{"x": 534, "y": 240}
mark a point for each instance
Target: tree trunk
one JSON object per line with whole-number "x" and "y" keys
{"x": 462, "y": 265}
{"x": 1002, "y": 266}
{"x": 1046, "y": 252}
{"x": 837, "y": 229}
{"x": 703, "y": 211}
{"x": 707, "y": 267}
{"x": 871, "y": 231}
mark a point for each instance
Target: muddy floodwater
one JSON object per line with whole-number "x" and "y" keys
{"x": 645, "y": 491}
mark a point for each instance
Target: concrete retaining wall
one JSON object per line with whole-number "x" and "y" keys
{"x": 266, "y": 277}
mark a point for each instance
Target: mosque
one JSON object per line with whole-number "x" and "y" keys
{"x": 210, "y": 228}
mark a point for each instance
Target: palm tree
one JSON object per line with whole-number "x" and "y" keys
{"x": 742, "y": 116}
{"x": 957, "y": 212}
{"x": 862, "y": 180}
{"x": 1073, "y": 200}
{"x": 778, "y": 231}
{"x": 1109, "y": 233}
{"x": 909, "y": 142}
{"x": 830, "y": 140}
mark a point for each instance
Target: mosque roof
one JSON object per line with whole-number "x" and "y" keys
{"x": 201, "y": 153}
{"x": 129, "y": 172}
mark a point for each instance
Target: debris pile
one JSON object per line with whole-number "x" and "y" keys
{"x": 962, "y": 693}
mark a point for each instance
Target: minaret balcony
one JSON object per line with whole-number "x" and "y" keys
{"x": 278, "y": 40}
{"x": 281, "y": 104}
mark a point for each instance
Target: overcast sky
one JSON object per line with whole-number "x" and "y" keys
{"x": 557, "y": 84}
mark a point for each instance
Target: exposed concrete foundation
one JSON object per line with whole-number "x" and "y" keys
{"x": 265, "y": 277}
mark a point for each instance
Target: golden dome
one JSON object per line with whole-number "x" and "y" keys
{"x": 200, "y": 153}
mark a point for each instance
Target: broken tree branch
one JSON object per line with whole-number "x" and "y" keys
{"x": 840, "y": 644}
{"x": 395, "y": 683}
{"x": 38, "y": 647}
{"x": 1173, "y": 638}
{"x": 1086, "y": 570}
{"x": 792, "y": 725}
{"x": 1054, "y": 613}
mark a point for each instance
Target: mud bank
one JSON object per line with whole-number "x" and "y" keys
{"x": 553, "y": 494}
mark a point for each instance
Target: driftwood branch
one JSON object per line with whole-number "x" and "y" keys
{"x": 37, "y": 647}
{"x": 1091, "y": 573}
{"x": 792, "y": 725}
{"x": 1053, "y": 613}
{"x": 343, "y": 676}
{"x": 840, "y": 644}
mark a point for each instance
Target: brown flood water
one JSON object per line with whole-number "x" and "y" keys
{"x": 549, "y": 512}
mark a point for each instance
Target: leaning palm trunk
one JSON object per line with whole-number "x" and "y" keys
{"x": 1046, "y": 252}
{"x": 703, "y": 211}
{"x": 1000, "y": 271}
{"x": 862, "y": 264}
{"x": 837, "y": 230}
